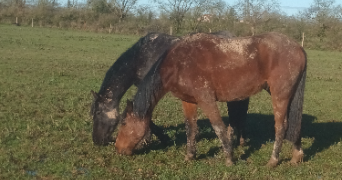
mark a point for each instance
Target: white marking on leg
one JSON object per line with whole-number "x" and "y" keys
{"x": 217, "y": 129}
{"x": 276, "y": 146}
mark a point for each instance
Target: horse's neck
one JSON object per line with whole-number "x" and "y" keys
{"x": 118, "y": 79}
{"x": 115, "y": 89}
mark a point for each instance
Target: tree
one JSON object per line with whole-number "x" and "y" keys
{"x": 177, "y": 9}
{"x": 45, "y": 8}
{"x": 213, "y": 15}
{"x": 99, "y": 6}
{"x": 17, "y": 6}
{"x": 338, "y": 12}
{"x": 196, "y": 12}
{"x": 71, "y": 3}
{"x": 121, "y": 8}
{"x": 144, "y": 14}
{"x": 256, "y": 12}
{"x": 321, "y": 12}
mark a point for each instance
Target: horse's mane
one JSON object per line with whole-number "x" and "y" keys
{"x": 149, "y": 90}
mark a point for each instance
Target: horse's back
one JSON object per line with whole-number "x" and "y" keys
{"x": 152, "y": 46}
{"x": 232, "y": 69}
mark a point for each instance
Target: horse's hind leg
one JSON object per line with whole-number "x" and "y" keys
{"x": 280, "y": 106}
{"x": 237, "y": 111}
{"x": 190, "y": 113}
{"x": 297, "y": 153}
{"x": 225, "y": 135}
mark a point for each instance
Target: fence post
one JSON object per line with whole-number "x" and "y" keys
{"x": 110, "y": 28}
{"x": 303, "y": 36}
{"x": 32, "y": 22}
{"x": 171, "y": 30}
{"x": 16, "y": 20}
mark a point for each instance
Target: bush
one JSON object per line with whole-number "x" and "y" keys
{"x": 319, "y": 34}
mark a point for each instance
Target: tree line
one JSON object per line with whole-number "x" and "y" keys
{"x": 321, "y": 23}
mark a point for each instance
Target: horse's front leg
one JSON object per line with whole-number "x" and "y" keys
{"x": 225, "y": 135}
{"x": 190, "y": 113}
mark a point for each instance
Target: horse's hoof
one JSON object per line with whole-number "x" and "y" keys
{"x": 272, "y": 163}
{"x": 229, "y": 163}
{"x": 189, "y": 157}
{"x": 297, "y": 157}
{"x": 296, "y": 160}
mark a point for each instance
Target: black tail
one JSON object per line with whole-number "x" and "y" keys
{"x": 295, "y": 112}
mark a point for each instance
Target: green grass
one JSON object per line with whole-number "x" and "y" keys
{"x": 45, "y": 80}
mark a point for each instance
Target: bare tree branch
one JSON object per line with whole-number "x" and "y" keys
{"x": 123, "y": 7}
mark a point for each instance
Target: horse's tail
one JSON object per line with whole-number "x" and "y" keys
{"x": 296, "y": 110}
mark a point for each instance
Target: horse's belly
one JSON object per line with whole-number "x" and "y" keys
{"x": 237, "y": 84}
{"x": 188, "y": 97}
{"x": 236, "y": 94}
{"x": 228, "y": 89}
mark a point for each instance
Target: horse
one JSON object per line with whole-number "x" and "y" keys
{"x": 129, "y": 69}
{"x": 201, "y": 69}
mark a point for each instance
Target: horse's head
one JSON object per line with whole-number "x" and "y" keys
{"x": 105, "y": 119}
{"x": 132, "y": 132}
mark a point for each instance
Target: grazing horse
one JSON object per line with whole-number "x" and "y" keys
{"x": 130, "y": 68}
{"x": 201, "y": 69}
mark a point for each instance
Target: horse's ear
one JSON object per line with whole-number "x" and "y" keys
{"x": 129, "y": 107}
{"x": 94, "y": 94}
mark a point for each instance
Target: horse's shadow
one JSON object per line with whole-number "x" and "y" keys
{"x": 259, "y": 130}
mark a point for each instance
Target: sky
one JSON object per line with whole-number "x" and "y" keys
{"x": 290, "y": 7}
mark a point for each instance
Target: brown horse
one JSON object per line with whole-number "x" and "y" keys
{"x": 202, "y": 69}
{"x": 130, "y": 68}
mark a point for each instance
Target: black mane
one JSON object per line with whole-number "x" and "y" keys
{"x": 148, "y": 92}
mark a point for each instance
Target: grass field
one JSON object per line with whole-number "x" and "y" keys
{"x": 45, "y": 80}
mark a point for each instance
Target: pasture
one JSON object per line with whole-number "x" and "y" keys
{"x": 45, "y": 80}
